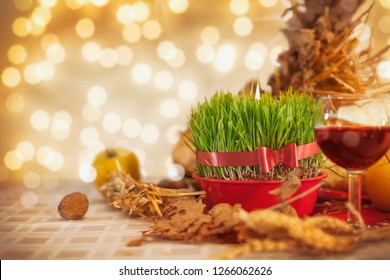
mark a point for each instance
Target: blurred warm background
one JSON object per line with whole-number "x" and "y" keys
{"x": 78, "y": 76}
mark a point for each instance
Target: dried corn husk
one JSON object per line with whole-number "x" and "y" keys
{"x": 323, "y": 55}
{"x": 144, "y": 199}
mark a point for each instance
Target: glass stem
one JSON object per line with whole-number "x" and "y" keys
{"x": 355, "y": 183}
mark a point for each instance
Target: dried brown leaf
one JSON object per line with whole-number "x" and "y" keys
{"x": 135, "y": 242}
{"x": 185, "y": 206}
{"x": 198, "y": 226}
{"x": 289, "y": 186}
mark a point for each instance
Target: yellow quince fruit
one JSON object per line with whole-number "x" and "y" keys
{"x": 113, "y": 160}
{"x": 378, "y": 183}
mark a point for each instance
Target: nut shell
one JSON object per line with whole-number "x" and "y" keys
{"x": 73, "y": 206}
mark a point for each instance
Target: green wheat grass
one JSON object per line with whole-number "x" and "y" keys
{"x": 229, "y": 123}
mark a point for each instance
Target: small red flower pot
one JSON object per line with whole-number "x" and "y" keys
{"x": 253, "y": 194}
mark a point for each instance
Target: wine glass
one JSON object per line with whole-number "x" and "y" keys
{"x": 353, "y": 131}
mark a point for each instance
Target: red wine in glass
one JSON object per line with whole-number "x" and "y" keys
{"x": 354, "y": 148}
{"x": 353, "y": 131}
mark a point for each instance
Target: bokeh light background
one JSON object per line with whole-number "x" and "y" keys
{"x": 78, "y": 76}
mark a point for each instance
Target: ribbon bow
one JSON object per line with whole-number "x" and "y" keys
{"x": 264, "y": 157}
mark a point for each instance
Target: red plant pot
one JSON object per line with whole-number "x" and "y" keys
{"x": 255, "y": 194}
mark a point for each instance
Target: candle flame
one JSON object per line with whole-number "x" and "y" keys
{"x": 257, "y": 95}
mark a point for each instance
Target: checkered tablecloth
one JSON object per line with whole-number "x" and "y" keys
{"x": 31, "y": 228}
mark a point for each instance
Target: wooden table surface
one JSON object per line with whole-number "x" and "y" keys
{"x": 31, "y": 228}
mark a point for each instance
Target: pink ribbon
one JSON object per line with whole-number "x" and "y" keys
{"x": 264, "y": 157}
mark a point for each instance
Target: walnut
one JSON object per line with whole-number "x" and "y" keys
{"x": 73, "y": 206}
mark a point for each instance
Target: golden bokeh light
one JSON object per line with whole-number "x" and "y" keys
{"x": 169, "y": 108}
{"x": 28, "y": 199}
{"x": 85, "y": 28}
{"x": 187, "y": 90}
{"x": 75, "y": 4}
{"x": 166, "y": 50}
{"x": 96, "y": 96}
{"x": 124, "y": 55}
{"x": 44, "y": 70}
{"x": 142, "y": 11}
{"x": 48, "y": 3}
{"x": 254, "y": 59}
{"x": 269, "y": 3}
{"x": 131, "y": 128}
{"x": 138, "y": 12}
{"x": 125, "y": 14}
{"x": 37, "y": 30}
{"x": 175, "y": 172}
{"x": 205, "y": 53}
{"x": 112, "y": 122}
{"x": 362, "y": 32}
{"x": 23, "y": 5}
{"x": 40, "y": 120}
{"x": 91, "y": 51}
{"x": 173, "y": 134}
{"x": 239, "y": 7}
{"x": 132, "y": 32}
{"x": 42, "y": 152}
{"x": 83, "y": 2}
{"x": 151, "y": 29}
{"x": 55, "y": 54}
{"x": 22, "y": 26}
{"x": 385, "y": 3}
{"x": 50, "y": 158}
{"x": 210, "y": 35}
{"x": 99, "y": 3}
{"x": 32, "y": 180}
{"x": 26, "y": 150}
{"x": 150, "y": 134}
{"x": 91, "y": 113}
{"x": 30, "y": 74}
{"x": 243, "y": 26}
{"x": 11, "y": 77}
{"x": 87, "y": 173}
{"x": 15, "y": 102}
{"x": 225, "y": 58}
{"x": 17, "y": 54}
{"x": 163, "y": 80}
{"x": 384, "y": 69}
{"x": 41, "y": 16}
{"x": 89, "y": 136}
{"x": 61, "y": 125}
{"x": 108, "y": 58}
{"x": 48, "y": 40}
{"x": 178, "y": 59}
{"x": 13, "y": 160}
{"x": 178, "y": 6}
{"x": 259, "y": 47}
{"x": 141, "y": 73}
